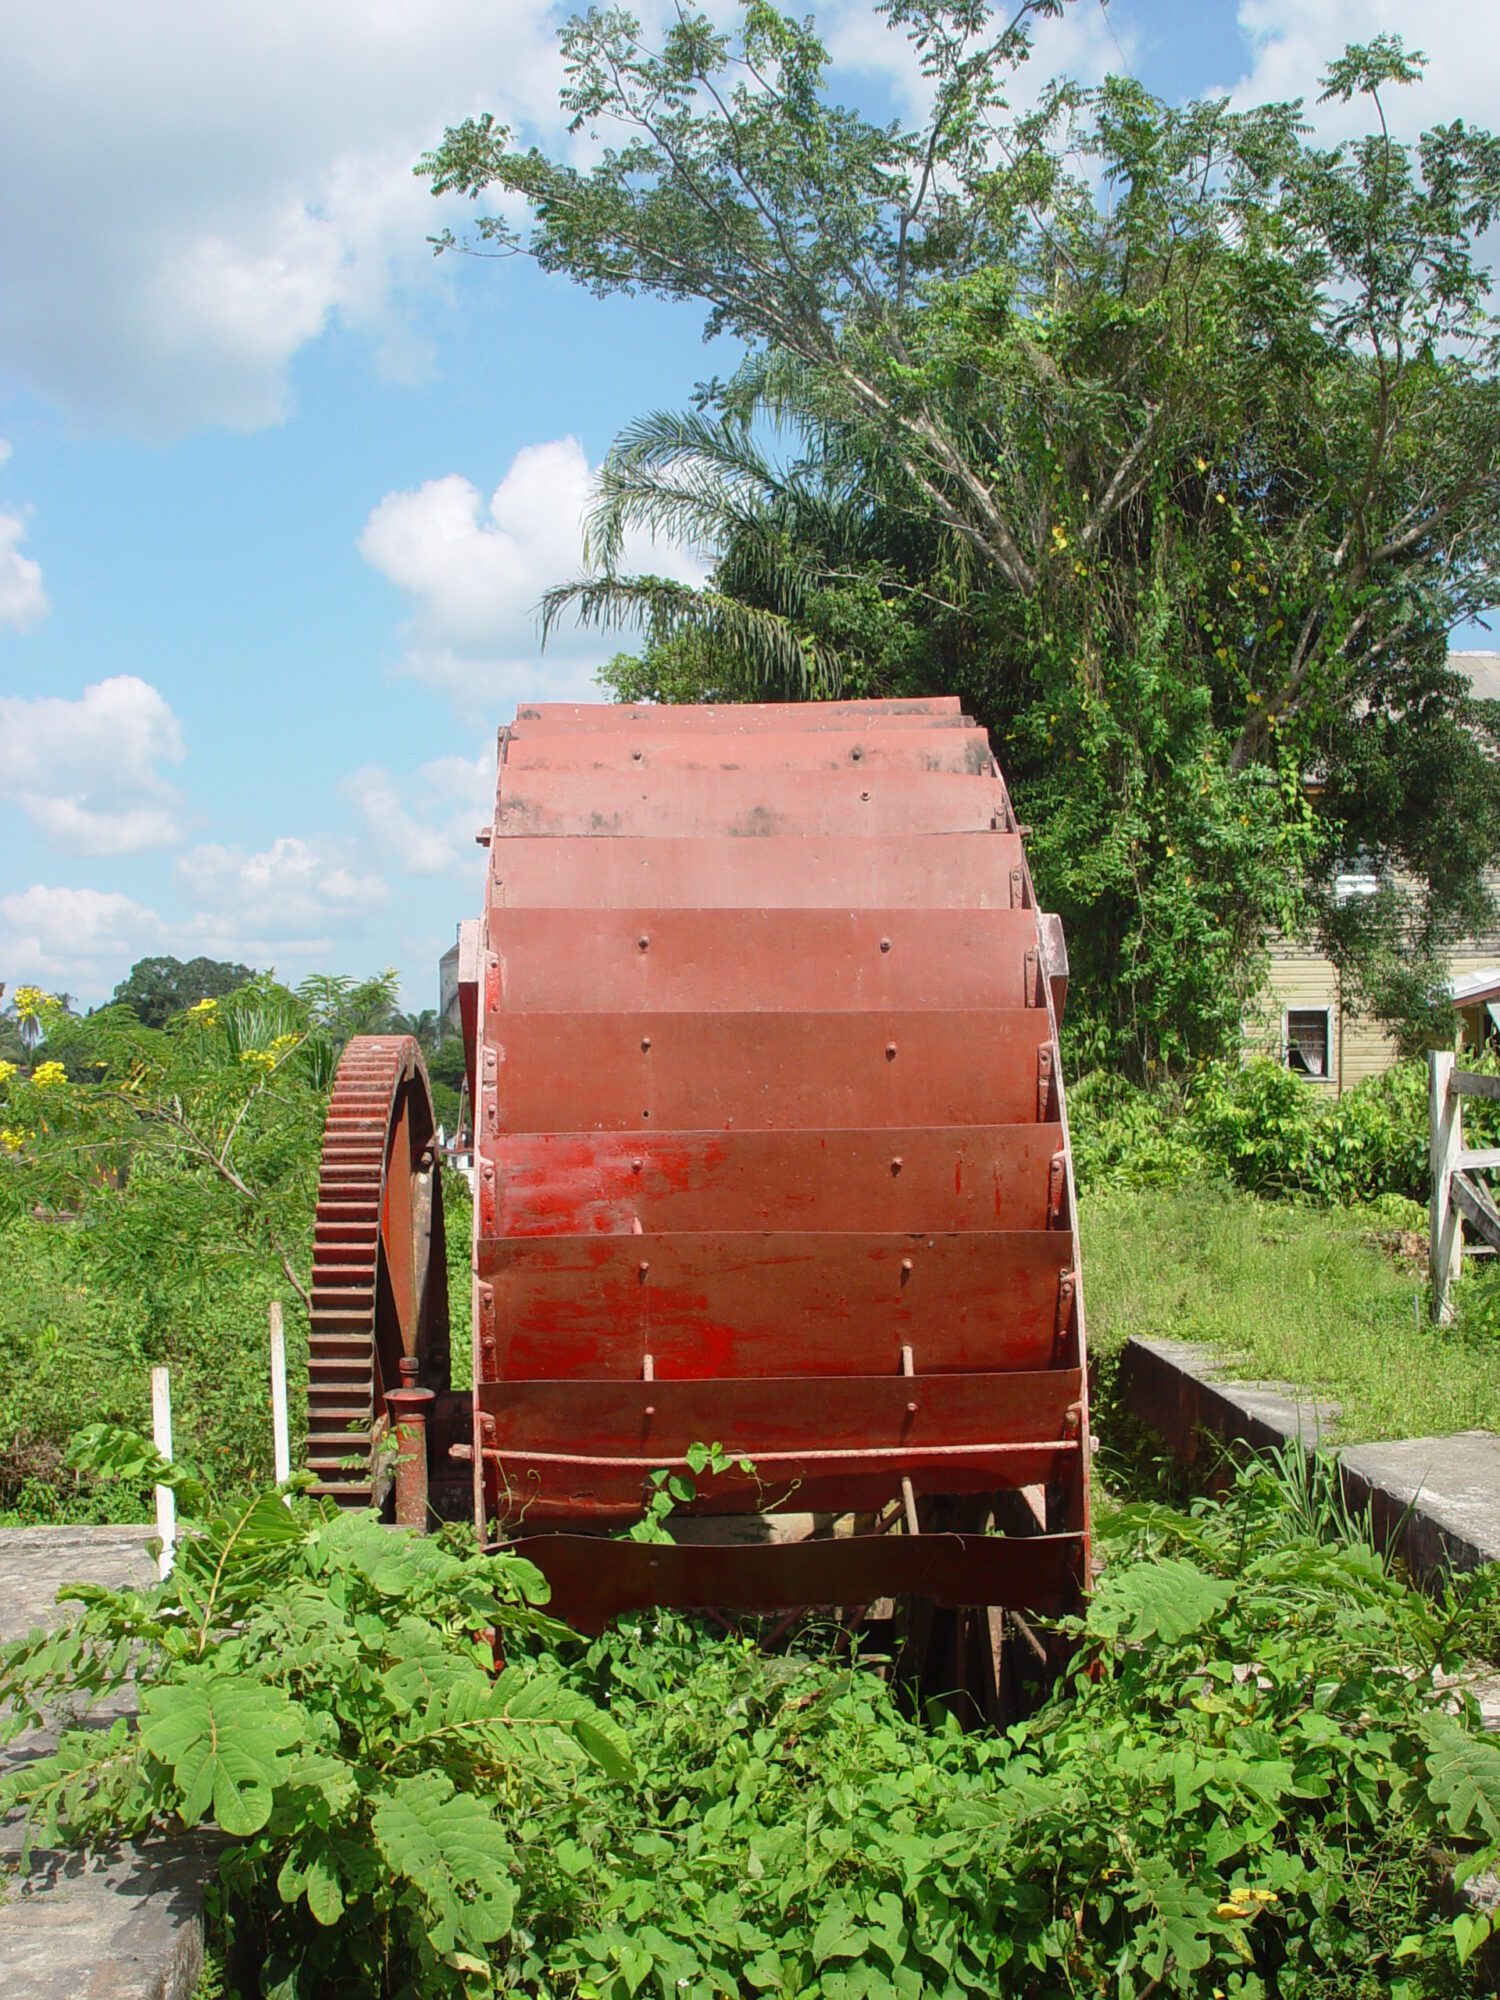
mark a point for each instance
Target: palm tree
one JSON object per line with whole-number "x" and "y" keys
{"x": 780, "y": 536}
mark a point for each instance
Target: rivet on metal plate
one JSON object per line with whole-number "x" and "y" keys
{"x": 911, "y": 1409}
{"x": 864, "y": 795}
{"x": 644, "y": 1267}
{"x": 896, "y": 1164}
{"x": 636, "y": 1165}
{"x": 885, "y": 944}
{"x": 645, "y": 1041}
{"x": 644, "y": 943}
{"x": 890, "y": 1051}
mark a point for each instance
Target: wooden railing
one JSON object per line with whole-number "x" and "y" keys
{"x": 1457, "y": 1197}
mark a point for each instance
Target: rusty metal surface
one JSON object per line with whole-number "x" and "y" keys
{"x": 941, "y": 1179}
{"x": 953, "y": 1433}
{"x": 772, "y": 961}
{"x": 377, "y": 1276}
{"x": 923, "y": 871}
{"x": 772, "y": 1149}
{"x": 691, "y": 1072}
{"x": 594, "y": 1580}
{"x": 614, "y": 804}
{"x": 740, "y": 718}
{"x": 793, "y": 1303}
{"x": 651, "y": 754}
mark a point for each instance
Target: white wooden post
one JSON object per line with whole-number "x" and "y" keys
{"x": 161, "y": 1437}
{"x": 1445, "y": 1230}
{"x": 280, "y": 1435}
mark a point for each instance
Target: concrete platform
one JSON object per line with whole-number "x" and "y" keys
{"x": 120, "y": 1926}
{"x": 1436, "y": 1500}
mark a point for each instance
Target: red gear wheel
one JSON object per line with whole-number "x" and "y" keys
{"x": 379, "y": 1281}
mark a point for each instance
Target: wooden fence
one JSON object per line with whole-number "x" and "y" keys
{"x": 1457, "y": 1197}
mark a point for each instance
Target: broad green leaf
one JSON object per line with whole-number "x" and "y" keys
{"x": 839, "y": 1934}
{"x": 447, "y": 1845}
{"x": 1463, "y": 1777}
{"x": 1167, "y": 1599}
{"x": 224, "y": 1741}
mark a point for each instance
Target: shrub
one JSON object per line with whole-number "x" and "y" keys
{"x": 1263, "y": 1128}
{"x": 1126, "y": 1136}
{"x": 1237, "y": 1791}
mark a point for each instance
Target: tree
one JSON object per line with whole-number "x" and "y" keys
{"x": 1169, "y": 438}
{"x": 157, "y": 988}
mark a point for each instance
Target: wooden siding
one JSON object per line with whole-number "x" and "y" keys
{"x": 1300, "y": 976}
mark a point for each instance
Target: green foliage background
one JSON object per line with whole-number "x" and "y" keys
{"x": 1250, "y": 1784}
{"x": 1165, "y": 436}
{"x": 156, "y": 1196}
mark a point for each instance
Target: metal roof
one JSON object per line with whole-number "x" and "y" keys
{"x": 1483, "y": 671}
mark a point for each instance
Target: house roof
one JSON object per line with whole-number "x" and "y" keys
{"x": 1474, "y": 989}
{"x": 1483, "y": 670}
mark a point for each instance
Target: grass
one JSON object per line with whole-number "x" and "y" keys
{"x": 1293, "y": 1294}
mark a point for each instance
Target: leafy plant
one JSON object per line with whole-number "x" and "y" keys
{"x": 324, "y": 1693}
{"x": 1250, "y": 1783}
{"x": 156, "y": 1194}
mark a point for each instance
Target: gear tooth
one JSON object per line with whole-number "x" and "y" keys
{"x": 343, "y": 1366}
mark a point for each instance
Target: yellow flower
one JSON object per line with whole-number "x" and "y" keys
{"x": 12, "y": 1141}
{"x": 7, "y": 1071}
{"x": 48, "y": 1075}
{"x": 204, "y": 1010}
{"x": 1059, "y": 537}
{"x": 1201, "y": 463}
{"x": 29, "y": 1001}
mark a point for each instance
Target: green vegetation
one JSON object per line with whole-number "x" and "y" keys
{"x": 1288, "y": 1232}
{"x": 156, "y": 1193}
{"x": 1164, "y": 435}
{"x": 1324, "y": 1299}
{"x": 155, "y": 989}
{"x": 1259, "y": 1127}
{"x": 1249, "y": 1785}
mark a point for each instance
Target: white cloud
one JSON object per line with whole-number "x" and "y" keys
{"x": 257, "y": 186}
{"x": 426, "y": 824}
{"x": 81, "y": 940}
{"x": 295, "y": 896}
{"x": 88, "y": 773}
{"x": 248, "y": 181}
{"x": 23, "y": 602}
{"x": 476, "y": 569}
{"x": 1293, "y": 42}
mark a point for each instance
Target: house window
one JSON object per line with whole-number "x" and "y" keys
{"x": 1308, "y": 1041}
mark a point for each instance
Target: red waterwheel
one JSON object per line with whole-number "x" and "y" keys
{"x": 379, "y": 1284}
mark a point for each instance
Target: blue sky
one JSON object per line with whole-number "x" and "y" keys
{"x": 279, "y": 490}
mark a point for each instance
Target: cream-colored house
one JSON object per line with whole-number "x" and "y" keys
{"x": 1302, "y": 1020}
